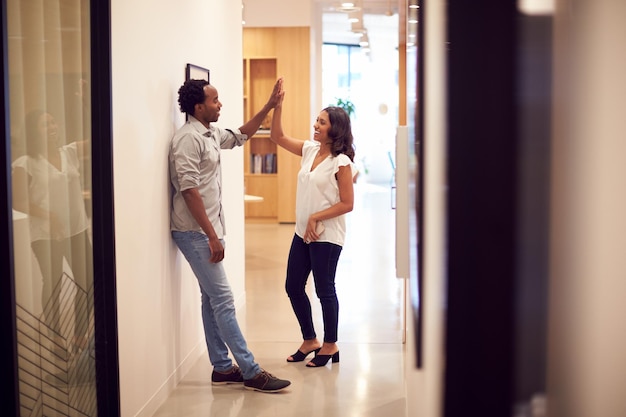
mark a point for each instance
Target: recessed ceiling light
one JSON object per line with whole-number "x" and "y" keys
{"x": 348, "y": 7}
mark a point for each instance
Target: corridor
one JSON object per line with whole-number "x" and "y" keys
{"x": 369, "y": 379}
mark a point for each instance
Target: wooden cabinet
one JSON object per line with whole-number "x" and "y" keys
{"x": 271, "y": 172}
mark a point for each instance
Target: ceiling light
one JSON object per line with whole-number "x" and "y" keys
{"x": 348, "y": 7}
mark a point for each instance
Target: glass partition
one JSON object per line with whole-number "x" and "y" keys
{"x": 50, "y": 123}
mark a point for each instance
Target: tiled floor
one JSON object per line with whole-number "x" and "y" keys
{"x": 369, "y": 379}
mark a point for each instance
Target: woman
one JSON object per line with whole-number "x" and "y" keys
{"x": 324, "y": 195}
{"x": 47, "y": 187}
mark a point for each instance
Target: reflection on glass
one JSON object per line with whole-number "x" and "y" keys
{"x": 50, "y": 152}
{"x": 47, "y": 187}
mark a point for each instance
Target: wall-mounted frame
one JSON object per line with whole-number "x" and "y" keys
{"x": 197, "y": 72}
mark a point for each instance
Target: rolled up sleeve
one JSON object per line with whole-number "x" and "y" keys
{"x": 186, "y": 153}
{"x": 229, "y": 138}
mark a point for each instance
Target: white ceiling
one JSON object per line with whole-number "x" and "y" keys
{"x": 378, "y": 18}
{"x": 381, "y": 7}
{"x": 337, "y": 28}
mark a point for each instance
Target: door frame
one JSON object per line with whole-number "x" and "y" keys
{"x": 105, "y": 304}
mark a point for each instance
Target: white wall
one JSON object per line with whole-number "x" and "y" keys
{"x": 587, "y": 335}
{"x": 160, "y": 332}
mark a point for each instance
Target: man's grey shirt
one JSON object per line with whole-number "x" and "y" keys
{"x": 194, "y": 162}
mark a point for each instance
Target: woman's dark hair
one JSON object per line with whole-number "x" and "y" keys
{"x": 190, "y": 94}
{"x": 340, "y": 132}
{"x": 34, "y": 144}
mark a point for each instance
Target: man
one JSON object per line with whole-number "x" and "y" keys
{"x": 197, "y": 224}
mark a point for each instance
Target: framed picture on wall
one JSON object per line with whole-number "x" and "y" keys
{"x": 197, "y": 72}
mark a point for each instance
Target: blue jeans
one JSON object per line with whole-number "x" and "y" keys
{"x": 321, "y": 258}
{"x": 221, "y": 329}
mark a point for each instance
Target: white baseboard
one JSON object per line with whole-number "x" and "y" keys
{"x": 170, "y": 384}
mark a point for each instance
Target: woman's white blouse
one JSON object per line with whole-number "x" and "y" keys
{"x": 57, "y": 191}
{"x": 318, "y": 190}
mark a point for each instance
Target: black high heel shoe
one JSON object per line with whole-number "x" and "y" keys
{"x": 299, "y": 356}
{"x": 321, "y": 360}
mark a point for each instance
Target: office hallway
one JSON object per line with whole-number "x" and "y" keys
{"x": 368, "y": 381}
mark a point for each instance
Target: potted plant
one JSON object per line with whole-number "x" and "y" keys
{"x": 346, "y": 104}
